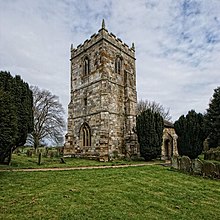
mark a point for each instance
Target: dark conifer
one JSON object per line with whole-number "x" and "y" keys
{"x": 150, "y": 131}
{"x": 16, "y": 114}
{"x": 213, "y": 120}
{"x": 191, "y": 134}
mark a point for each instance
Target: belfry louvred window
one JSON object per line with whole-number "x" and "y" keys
{"x": 86, "y": 67}
{"x": 118, "y": 65}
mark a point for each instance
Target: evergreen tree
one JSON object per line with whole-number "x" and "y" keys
{"x": 8, "y": 125}
{"x": 24, "y": 104}
{"x": 213, "y": 120}
{"x": 191, "y": 134}
{"x": 16, "y": 114}
{"x": 150, "y": 131}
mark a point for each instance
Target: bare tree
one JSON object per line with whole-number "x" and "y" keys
{"x": 49, "y": 122}
{"x": 155, "y": 107}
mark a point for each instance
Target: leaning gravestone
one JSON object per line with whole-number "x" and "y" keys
{"x": 175, "y": 162}
{"x": 197, "y": 165}
{"x": 208, "y": 169}
{"x": 185, "y": 164}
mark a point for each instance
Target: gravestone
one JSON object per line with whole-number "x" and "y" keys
{"x": 185, "y": 164}
{"x": 197, "y": 165}
{"x": 208, "y": 169}
{"x": 62, "y": 160}
{"x": 175, "y": 162}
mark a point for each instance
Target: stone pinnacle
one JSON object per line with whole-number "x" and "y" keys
{"x": 103, "y": 23}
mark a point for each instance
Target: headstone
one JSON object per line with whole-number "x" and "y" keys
{"x": 185, "y": 164}
{"x": 197, "y": 165}
{"x": 29, "y": 153}
{"x": 51, "y": 154}
{"x": 208, "y": 169}
{"x": 175, "y": 162}
{"x": 62, "y": 160}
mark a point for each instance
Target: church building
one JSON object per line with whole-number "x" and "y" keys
{"x": 102, "y": 109}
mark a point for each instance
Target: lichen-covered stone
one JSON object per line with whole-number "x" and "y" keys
{"x": 209, "y": 169}
{"x": 197, "y": 165}
{"x": 175, "y": 162}
{"x": 185, "y": 164}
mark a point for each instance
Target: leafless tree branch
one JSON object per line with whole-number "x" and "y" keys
{"x": 48, "y": 118}
{"x": 155, "y": 107}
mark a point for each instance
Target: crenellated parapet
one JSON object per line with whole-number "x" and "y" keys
{"x": 103, "y": 35}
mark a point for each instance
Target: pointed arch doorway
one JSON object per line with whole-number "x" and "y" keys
{"x": 168, "y": 148}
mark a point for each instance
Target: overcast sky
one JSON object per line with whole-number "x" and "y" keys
{"x": 177, "y": 44}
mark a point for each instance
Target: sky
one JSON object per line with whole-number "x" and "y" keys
{"x": 177, "y": 45}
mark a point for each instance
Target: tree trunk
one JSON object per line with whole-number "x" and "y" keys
{"x": 36, "y": 143}
{"x": 4, "y": 158}
{"x": 9, "y": 157}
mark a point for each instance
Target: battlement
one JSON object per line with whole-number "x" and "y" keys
{"x": 103, "y": 34}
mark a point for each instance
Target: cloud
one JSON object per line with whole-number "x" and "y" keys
{"x": 177, "y": 44}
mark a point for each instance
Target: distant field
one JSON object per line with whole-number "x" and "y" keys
{"x": 150, "y": 192}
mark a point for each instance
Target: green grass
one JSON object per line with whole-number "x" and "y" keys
{"x": 22, "y": 161}
{"x": 150, "y": 192}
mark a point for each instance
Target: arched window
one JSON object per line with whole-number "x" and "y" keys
{"x": 118, "y": 65}
{"x": 85, "y": 135}
{"x": 86, "y": 67}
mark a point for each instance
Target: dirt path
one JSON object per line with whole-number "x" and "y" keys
{"x": 77, "y": 168}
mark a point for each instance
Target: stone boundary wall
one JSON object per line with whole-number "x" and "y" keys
{"x": 196, "y": 167}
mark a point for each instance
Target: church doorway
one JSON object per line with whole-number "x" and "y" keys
{"x": 168, "y": 147}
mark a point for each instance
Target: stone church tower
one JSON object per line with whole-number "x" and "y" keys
{"x": 102, "y": 109}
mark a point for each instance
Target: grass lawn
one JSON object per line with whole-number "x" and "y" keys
{"x": 150, "y": 192}
{"x": 22, "y": 161}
